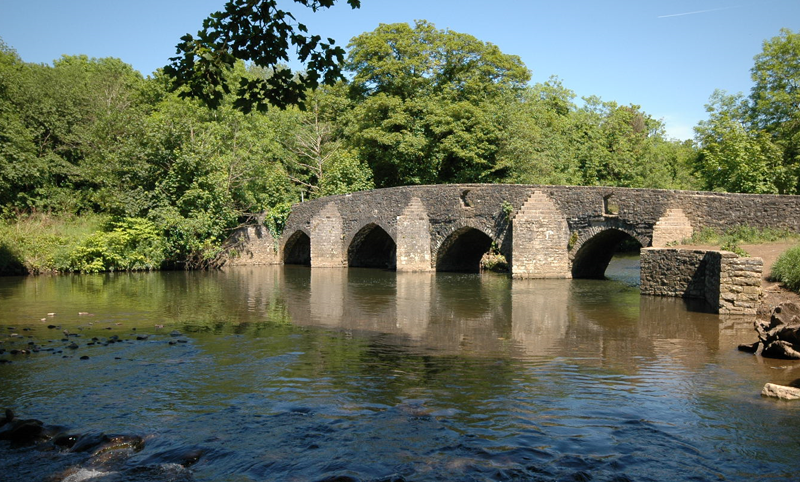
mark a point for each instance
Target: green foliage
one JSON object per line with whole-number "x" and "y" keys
{"x": 429, "y": 104}
{"x": 550, "y": 140}
{"x": 318, "y": 160}
{"x": 508, "y": 210}
{"x": 494, "y": 261}
{"x": 260, "y": 33}
{"x": 786, "y": 269}
{"x": 41, "y": 243}
{"x": 735, "y": 248}
{"x": 345, "y": 173}
{"x": 735, "y": 157}
{"x": 573, "y": 238}
{"x": 129, "y": 244}
{"x": 753, "y": 144}
{"x": 275, "y": 219}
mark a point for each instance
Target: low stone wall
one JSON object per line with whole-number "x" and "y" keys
{"x": 252, "y": 245}
{"x": 730, "y": 284}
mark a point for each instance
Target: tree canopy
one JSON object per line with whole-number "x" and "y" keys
{"x": 752, "y": 144}
{"x": 428, "y": 103}
{"x": 255, "y": 31}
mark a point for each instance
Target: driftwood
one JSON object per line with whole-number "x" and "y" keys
{"x": 779, "y": 337}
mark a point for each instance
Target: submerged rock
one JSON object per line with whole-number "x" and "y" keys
{"x": 22, "y": 431}
{"x": 9, "y": 416}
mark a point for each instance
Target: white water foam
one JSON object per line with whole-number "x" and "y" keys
{"x": 84, "y": 474}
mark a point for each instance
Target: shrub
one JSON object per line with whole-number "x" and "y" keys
{"x": 494, "y": 261}
{"x": 787, "y": 268}
{"x": 130, "y": 244}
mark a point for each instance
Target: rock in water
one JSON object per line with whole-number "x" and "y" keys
{"x": 780, "y": 336}
{"x": 780, "y": 391}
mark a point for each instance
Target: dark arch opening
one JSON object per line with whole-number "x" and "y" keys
{"x": 297, "y": 249}
{"x": 462, "y": 251}
{"x": 372, "y": 247}
{"x": 592, "y": 258}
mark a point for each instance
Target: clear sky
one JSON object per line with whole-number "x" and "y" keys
{"x": 667, "y": 56}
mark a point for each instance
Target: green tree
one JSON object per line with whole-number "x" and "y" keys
{"x": 735, "y": 156}
{"x": 64, "y": 128}
{"x": 255, "y": 31}
{"x": 775, "y": 98}
{"x": 430, "y": 104}
{"x": 753, "y": 144}
{"x": 551, "y": 140}
{"x": 538, "y": 148}
{"x": 210, "y": 170}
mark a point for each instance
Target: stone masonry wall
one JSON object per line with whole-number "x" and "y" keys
{"x": 730, "y": 284}
{"x": 252, "y": 245}
{"x": 540, "y": 239}
{"x": 414, "y": 238}
{"x": 673, "y": 226}
{"x": 673, "y": 272}
{"x": 740, "y": 284}
{"x": 327, "y": 250}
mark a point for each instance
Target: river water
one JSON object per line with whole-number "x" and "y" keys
{"x": 291, "y": 373}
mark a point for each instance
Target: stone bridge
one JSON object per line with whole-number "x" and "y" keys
{"x": 543, "y": 231}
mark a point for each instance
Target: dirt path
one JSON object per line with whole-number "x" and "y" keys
{"x": 774, "y": 293}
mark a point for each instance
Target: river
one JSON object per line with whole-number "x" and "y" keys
{"x": 291, "y": 373}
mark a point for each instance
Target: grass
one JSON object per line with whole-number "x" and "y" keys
{"x": 41, "y": 242}
{"x": 730, "y": 239}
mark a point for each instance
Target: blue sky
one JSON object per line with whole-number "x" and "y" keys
{"x": 667, "y": 56}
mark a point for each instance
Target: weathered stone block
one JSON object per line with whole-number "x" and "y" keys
{"x": 780, "y": 391}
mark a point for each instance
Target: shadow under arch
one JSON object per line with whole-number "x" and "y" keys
{"x": 297, "y": 249}
{"x": 372, "y": 247}
{"x": 462, "y": 251}
{"x": 593, "y": 256}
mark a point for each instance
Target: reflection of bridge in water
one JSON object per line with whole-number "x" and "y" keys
{"x": 543, "y": 231}
{"x": 490, "y": 315}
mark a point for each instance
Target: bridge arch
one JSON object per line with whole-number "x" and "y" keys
{"x": 297, "y": 249}
{"x": 372, "y": 247}
{"x": 594, "y": 248}
{"x": 462, "y": 250}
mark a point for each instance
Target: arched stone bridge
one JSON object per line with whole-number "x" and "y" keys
{"x": 543, "y": 231}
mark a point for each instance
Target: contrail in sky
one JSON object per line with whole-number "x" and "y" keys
{"x": 693, "y": 13}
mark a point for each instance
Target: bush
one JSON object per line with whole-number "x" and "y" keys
{"x": 130, "y": 244}
{"x": 787, "y": 269}
{"x": 494, "y": 261}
